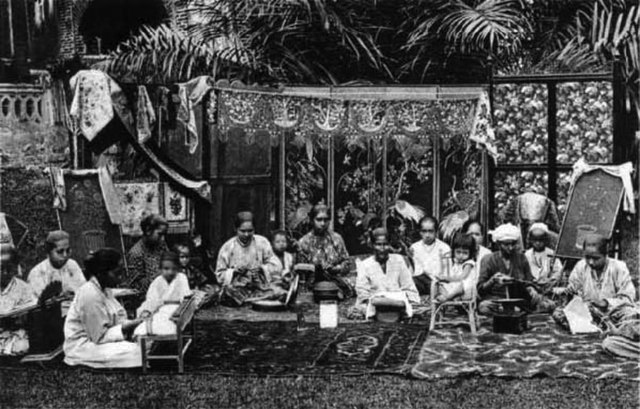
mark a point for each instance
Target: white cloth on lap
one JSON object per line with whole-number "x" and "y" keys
{"x": 159, "y": 323}
{"x": 393, "y": 295}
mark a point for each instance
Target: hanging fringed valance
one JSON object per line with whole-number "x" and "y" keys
{"x": 351, "y": 116}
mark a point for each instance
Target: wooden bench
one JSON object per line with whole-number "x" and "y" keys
{"x": 182, "y": 317}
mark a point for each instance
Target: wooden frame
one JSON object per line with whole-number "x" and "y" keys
{"x": 182, "y": 317}
{"x": 551, "y": 167}
{"x": 470, "y": 306}
{"x": 562, "y": 232}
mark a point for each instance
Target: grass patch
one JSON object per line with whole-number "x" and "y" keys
{"x": 36, "y": 388}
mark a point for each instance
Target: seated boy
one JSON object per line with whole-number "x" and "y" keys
{"x": 540, "y": 256}
{"x": 169, "y": 287}
{"x": 163, "y": 298}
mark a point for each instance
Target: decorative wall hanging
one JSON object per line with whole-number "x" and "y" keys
{"x": 445, "y": 113}
{"x": 176, "y": 209}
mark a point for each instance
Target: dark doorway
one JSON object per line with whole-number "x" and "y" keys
{"x": 106, "y": 23}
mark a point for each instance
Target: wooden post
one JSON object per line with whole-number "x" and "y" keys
{"x": 552, "y": 141}
{"x": 385, "y": 189}
{"x": 620, "y": 146}
{"x": 331, "y": 179}
{"x": 488, "y": 171}
{"x": 282, "y": 157}
{"x": 436, "y": 176}
{"x": 10, "y": 16}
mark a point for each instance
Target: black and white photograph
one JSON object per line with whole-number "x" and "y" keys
{"x": 319, "y": 204}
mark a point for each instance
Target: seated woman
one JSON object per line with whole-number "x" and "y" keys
{"x": 384, "y": 275}
{"x": 14, "y": 293}
{"x": 603, "y": 283}
{"x": 143, "y": 259}
{"x": 58, "y": 266}
{"x": 326, "y": 250}
{"x": 169, "y": 287}
{"x": 246, "y": 264}
{"x": 475, "y": 229}
{"x": 96, "y": 329}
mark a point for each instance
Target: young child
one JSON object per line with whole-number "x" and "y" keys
{"x": 458, "y": 277}
{"x": 169, "y": 286}
{"x": 279, "y": 243}
{"x": 58, "y": 266}
{"x": 197, "y": 279}
{"x": 539, "y": 257}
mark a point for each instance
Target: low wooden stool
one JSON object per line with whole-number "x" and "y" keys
{"x": 182, "y": 317}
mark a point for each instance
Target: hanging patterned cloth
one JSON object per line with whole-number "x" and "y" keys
{"x": 145, "y": 115}
{"x": 92, "y": 108}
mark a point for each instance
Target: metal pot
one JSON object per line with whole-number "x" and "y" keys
{"x": 325, "y": 291}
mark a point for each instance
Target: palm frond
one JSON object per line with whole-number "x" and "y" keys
{"x": 165, "y": 54}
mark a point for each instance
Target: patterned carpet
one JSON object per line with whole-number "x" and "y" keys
{"x": 544, "y": 350}
{"x": 278, "y": 348}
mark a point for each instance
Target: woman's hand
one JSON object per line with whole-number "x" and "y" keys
{"x": 130, "y": 325}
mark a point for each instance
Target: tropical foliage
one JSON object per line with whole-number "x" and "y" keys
{"x": 384, "y": 41}
{"x": 283, "y": 40}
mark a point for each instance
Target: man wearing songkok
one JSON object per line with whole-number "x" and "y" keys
{"x": 506, "y": 274}
{"x": 602, "y": 282}
{"x": 246, "y": 263}
{"x": 429, "y": 255}
{"x": 540, "y": 256}
{"x": 384, "y": 275}
{"x": 58, "y": 266}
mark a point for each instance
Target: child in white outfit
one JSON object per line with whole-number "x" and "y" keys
{"x": 458, "y": 275}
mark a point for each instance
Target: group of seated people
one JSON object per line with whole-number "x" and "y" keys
{"x": 99, "y": 333}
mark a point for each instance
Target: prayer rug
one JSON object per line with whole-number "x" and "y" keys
{"x": 544, "y": 350}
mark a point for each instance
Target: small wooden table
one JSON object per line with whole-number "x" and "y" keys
{"x": 182, "y": 317}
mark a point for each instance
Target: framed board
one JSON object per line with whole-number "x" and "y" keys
{"x": 86, "y": 210}
{"x": 593, "y": 208}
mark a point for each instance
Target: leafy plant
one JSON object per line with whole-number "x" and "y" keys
{"x": 277, "y": 40}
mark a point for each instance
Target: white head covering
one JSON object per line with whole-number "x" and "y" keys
{"x": 540, "y": 227}
{"x": 506, "y": 232}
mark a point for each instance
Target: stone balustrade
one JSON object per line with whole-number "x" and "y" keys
{"x": 23, "y": 103}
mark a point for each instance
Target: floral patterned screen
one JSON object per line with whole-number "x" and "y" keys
{"x": 585, "y": 122}
{"x": 584, "y": 129}
{"x": 520, "y": 123}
